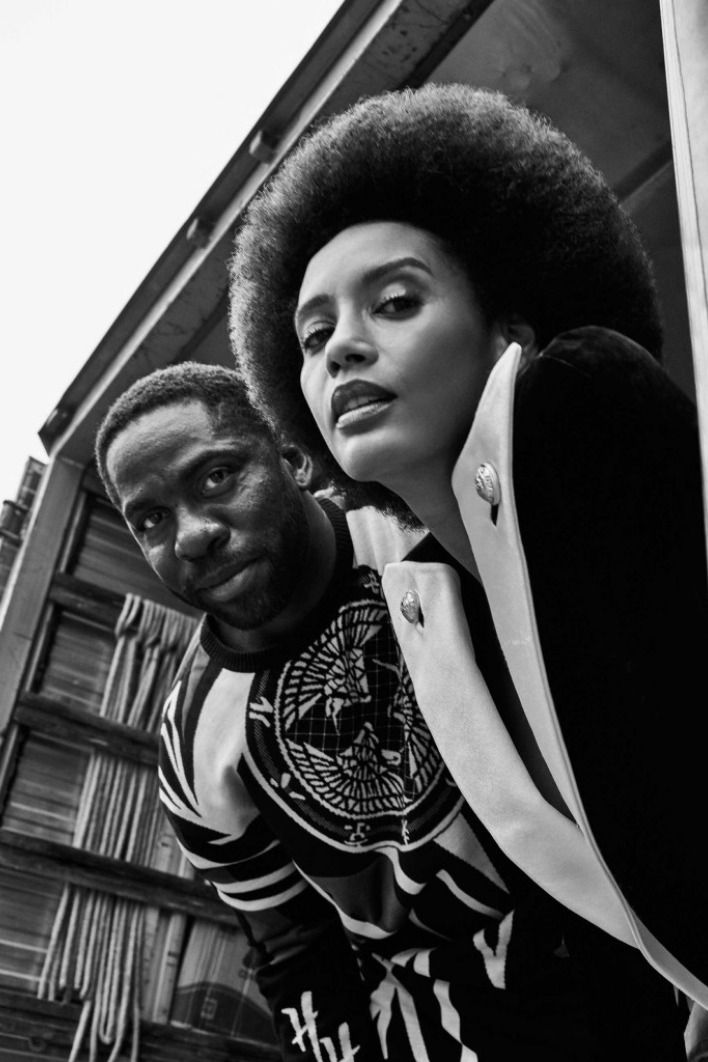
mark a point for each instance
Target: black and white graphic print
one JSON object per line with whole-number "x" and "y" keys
{"x": 339, "y": 736}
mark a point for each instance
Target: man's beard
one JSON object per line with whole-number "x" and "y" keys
{"x": 282, "y": 563}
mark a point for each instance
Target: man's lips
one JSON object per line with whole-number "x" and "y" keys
{"x": 358, "y": 395}
{"x": 222, "y": 575}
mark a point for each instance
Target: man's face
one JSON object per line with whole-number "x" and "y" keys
{"x": 216, "y": 512}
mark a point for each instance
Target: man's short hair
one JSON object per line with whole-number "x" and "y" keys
{"x": 220, "y": 390}
{"x": 534, "y": 225}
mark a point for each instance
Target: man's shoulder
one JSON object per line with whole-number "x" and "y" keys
{"x": 193, "y": 679}
{"x": 195, "y": 658}
{"x": 202, "y": 718}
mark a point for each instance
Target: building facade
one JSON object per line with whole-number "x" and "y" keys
{"x": 628, "y": 82}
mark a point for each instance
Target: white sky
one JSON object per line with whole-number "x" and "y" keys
{"x": 116, "y": 117}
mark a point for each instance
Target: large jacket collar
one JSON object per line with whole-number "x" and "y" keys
{"x": 558, "y": 851}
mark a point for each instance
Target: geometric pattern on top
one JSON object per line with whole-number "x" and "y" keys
{"x": 360, "y": 765}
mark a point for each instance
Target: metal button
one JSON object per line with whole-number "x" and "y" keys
{"x": 487, "y": 485}
{"x": 410, "y": 607}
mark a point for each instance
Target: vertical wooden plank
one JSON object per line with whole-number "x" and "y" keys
{"x": 685, "y": 33}
{"x": 26, "y": 594}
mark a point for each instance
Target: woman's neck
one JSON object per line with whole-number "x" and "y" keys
{"x": 433, "y": 502}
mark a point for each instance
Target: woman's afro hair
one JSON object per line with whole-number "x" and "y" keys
{"x": 536, "y": 228}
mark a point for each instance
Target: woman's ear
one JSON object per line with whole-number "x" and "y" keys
{"x": 516, "y": 329}
{"x": 300, "y": 462}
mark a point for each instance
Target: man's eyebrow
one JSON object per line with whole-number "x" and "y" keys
{"x": 236, "y": 451}
{"x": 368, "y": 277}
{"x": 133, "y": 507}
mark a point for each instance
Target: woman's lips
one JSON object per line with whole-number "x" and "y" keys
{"x": 357, "y": 400}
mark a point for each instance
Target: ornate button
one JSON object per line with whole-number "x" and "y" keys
{"x": 487, "y": 485}
{"x": 410, "y": 607}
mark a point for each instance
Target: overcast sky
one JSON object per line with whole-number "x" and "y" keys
{"x": 117, "y": 115}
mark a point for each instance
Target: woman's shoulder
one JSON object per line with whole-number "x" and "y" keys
{"x": 607, "y": 371}
{"x": 604, "y": 355}
{"x": 594, "y": 344}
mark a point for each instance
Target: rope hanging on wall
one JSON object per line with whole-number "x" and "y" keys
{"x": 95, "y": 952}
{"x": 151, "y": 641}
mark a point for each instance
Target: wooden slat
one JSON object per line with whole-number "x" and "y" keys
{"x": 25, "y": 597}
{"x": 76, "y": 724}
{"x": 46, "y": 1030}
{"x": 41, "y": 856}
{"x": 46, "y": 790}
{"x": 10, "y": 746}
{"x": 92, "y": 484}
{"x": 28, "y": 905}
{"x": 107, "y": 555}
{"x": 86, "y": 600}
{"x": 75, "y": 661}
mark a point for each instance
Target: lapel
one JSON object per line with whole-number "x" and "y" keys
{"x": 496, "y": 544}
{"x": 477, "y": 749}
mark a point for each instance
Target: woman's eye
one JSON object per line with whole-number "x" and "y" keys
{"x": 314, "y": 338}
{"x": 397, "y": 302}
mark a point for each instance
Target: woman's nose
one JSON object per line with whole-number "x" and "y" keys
{"x": 348, "y": 346}
{"x": 197, "y": 535}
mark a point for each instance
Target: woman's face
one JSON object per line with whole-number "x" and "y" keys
{"x": 396, "y": 352}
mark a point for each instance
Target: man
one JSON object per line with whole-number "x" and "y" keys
{"x": 300, "y": 776}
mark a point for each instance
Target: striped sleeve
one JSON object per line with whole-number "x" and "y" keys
{"x": 306, "y": 968}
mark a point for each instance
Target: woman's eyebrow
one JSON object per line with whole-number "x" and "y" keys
{"x": 394, "y": 264}
{"x": 307, "y": 307}
{"x": 368, "y": 276}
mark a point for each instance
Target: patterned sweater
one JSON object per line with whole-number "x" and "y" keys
{"x": 303, "y": 783}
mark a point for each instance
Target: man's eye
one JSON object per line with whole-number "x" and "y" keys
{"x": 314, "y": 338}
{"x": 216, "y": 478}
{"x": 151, "y": 520}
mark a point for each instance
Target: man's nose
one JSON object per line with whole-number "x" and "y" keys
{"x": 348, "y": 346}
{"x": 198, "y": 534}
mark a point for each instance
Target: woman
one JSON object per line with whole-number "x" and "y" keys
{"x": 476, "y": 332}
